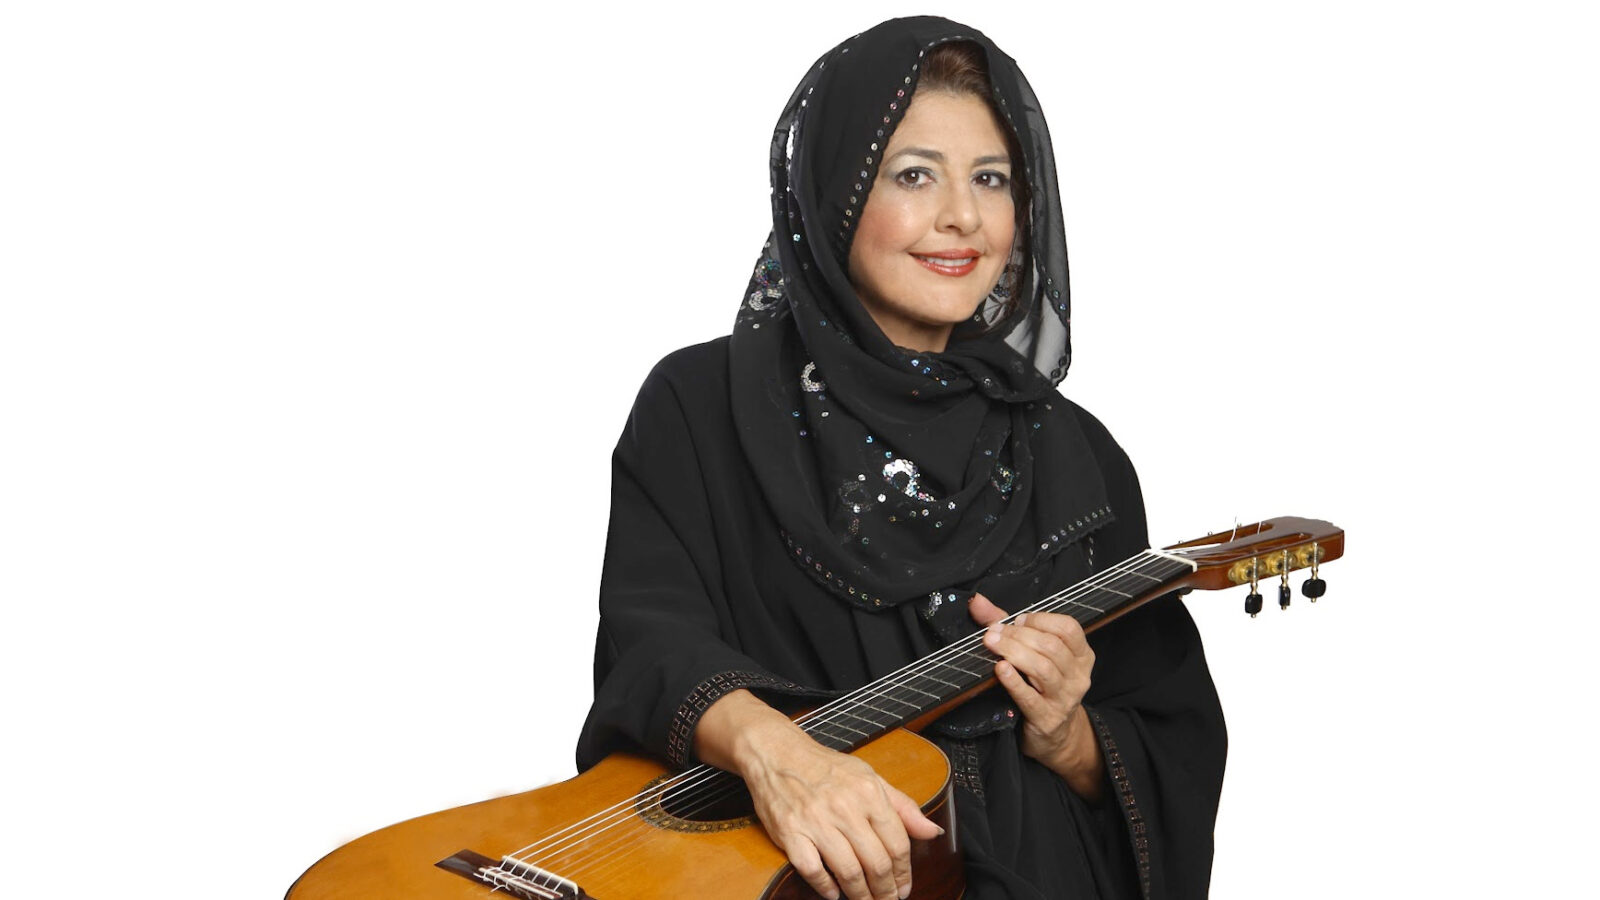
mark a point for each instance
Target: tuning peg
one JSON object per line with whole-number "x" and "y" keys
{"x": 1283, "y": 588}
{"x": 1314, "y": 587}
{"x": 1252, "y": 602}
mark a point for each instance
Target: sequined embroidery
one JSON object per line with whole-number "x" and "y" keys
{"x": 766, "y": 285}
{"x": 707, "y": 692}
{"x": 945, "y": 611}
{"x": 930, "y": 607}
{"x": 824, "y": 576}
{"x": 1053, "y": 541}
{"x": 1137, "y": 831}
{"x": 809, "y": 384}
{"x": 933, "y": 367}
{"x": 1004, "y": 478}
{"x": 895, "y": 468}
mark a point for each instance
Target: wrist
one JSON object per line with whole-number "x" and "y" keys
{"x": 1078, "y": 760}
{"x": 743, "y": 733}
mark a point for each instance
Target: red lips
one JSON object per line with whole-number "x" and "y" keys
{"x": 955, "y": 271}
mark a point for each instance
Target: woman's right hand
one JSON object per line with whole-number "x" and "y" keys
{"x": 846, "y": 830}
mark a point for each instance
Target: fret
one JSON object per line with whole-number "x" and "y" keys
{"x": 827, "y": 730}
{"x": 887, "y": 715}
{"x": 918, "y": 690}
{"x": 842, "y": 721}
{"x": 932, "y": 677}
{"x": 982, "y": 673}
{"x": 1094, "y": 612}
{"x": 917, "y": 704}
{"x": 938, "y": 690}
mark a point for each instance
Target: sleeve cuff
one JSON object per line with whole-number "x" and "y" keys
{"x": 680, "y": 734}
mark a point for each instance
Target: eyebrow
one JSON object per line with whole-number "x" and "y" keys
{"x": 938, "y": 157}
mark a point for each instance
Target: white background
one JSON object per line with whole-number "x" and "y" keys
{"x": 320, "y": 321}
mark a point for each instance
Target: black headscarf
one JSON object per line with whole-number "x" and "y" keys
{"x": 896, "y": 473}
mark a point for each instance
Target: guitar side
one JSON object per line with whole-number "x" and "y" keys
{"x": 648, "y": 855}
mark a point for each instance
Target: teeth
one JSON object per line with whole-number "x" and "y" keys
{"x": 950, "y": 263}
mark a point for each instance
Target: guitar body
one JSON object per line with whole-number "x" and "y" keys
{"x": 649, "y": 854}
{"x": 606, "y": 834}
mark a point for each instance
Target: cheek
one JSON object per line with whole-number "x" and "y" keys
{"x": 886, "y": 231}
{"x": 891, "y": 224}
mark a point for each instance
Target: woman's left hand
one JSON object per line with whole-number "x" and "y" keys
{"x": 1045, "y": 665}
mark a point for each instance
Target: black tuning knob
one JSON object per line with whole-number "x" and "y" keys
{"x": 1314, "y": 588}
{"x": 1252, "y": 604}
{"x": 1283, "y": 596}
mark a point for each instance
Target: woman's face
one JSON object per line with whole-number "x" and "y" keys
{"x": 936, "y": 231}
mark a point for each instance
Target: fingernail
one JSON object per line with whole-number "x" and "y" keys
{"x": 941, "y": 832}
{"x": 1022, "y": 618}
{"x": 905, "y": 891}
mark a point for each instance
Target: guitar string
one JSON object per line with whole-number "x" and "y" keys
{"x": 723, "y": 785}
{"x": 845, "y": 705}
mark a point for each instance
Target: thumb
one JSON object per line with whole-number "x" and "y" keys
{"x": 917, "y": 825}
{"x": 984, "y": 612}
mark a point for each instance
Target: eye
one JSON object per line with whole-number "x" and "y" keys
{"x": 996, "y": 180}
{"x": 914, "y": 177}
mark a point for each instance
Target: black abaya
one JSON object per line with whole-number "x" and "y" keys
{"x": 699, "y": 597}
{"x": 801, "y": 507}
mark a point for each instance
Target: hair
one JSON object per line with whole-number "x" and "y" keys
{"x": 961, "y": 67}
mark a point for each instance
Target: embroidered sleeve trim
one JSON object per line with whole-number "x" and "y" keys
{"x": 1137, "y": 832}
{"x": 967, "y": 766}
{"x": 680, "y": 736}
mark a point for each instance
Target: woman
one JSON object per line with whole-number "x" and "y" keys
{"x": 876, "y": 462}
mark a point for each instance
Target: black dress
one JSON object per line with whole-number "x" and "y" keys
{"x": 699, "y": 598}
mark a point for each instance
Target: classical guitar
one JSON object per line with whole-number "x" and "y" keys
{"x": 629, "y": 829}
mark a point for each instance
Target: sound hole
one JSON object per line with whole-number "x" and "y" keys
{"x": 714, "y": 799}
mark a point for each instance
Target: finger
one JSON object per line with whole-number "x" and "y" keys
{"x": 892, "y": 832}
{"x": 1034, "y": 705}
{"x": 873, "y": 863}
{"x": 1042, "y": 670}
{"x": 1059, "y": 664}
{"x": 1064, "y": 628}
{"x": 917, "y": 824}
{"x": 983, "y": 611}
{"x": 807, "y": 862}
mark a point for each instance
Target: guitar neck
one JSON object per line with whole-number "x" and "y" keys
{"x": 917, "y": 694}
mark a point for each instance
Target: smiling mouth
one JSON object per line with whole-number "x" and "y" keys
{"x": 955, "y": 267}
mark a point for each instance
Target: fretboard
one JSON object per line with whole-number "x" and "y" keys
{"x": 912, "y": 692}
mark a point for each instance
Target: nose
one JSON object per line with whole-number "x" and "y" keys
{"x": 959, "y": 213}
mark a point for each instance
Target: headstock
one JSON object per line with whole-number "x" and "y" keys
{"x": 1249, "y": 554}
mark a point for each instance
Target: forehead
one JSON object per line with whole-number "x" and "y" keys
{"x": 958, "y": 125}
